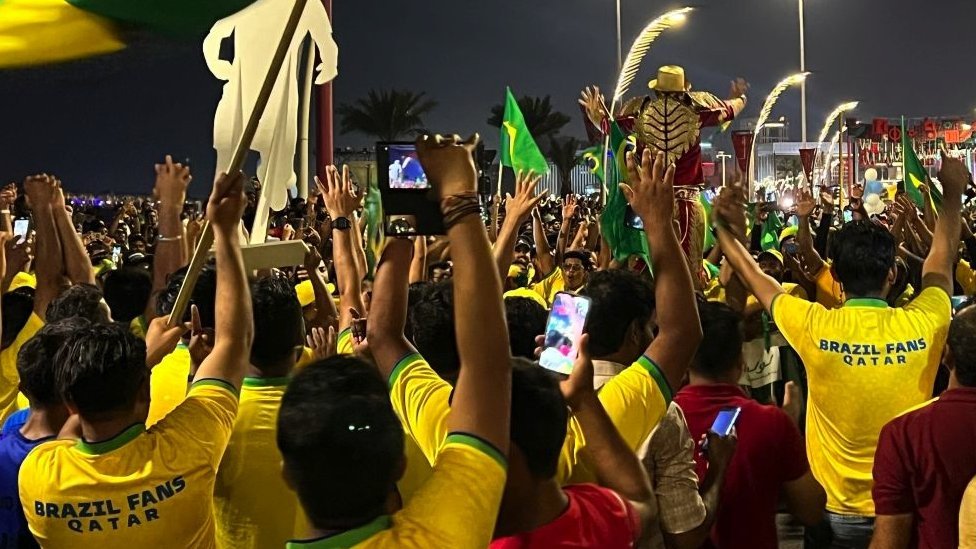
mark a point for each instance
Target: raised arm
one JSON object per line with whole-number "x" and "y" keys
{"x": 651, "y": 194}
{"x": 810, "y": 260}
{"x": 77, "y": 265}
{"x": 172, "y": 180}
{"x": 940, "y": 262}
{"x": 418, "y": 265}
{"x": 341, "y": 203}
{"x": 569, "y": 210}
{"x": 542, "y": 251}
{"x": 48, "y": 259}
{"x": 327, "y": 315}
{"x": 517, "y": 211}
{"x": 482, "y": 396}
{"x": 234, "y": 328}
{"x": 388, "y": 310}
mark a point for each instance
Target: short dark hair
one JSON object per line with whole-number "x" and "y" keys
{"x": 962, "y": 343}
{"x": 17, "y": 307}
{"x": 864, "y": 253}
{"x": 36, "y": 364}
{"x": 432, "y": 328}
{"x": 526, "y": 319}
{"x": 101, "y": 368}
{"x": 80, "y": 300}
{"x": 127, "y": 292}
{"x": 539, "y": 417}
{"x": 722, "y": 335}
{"x": 279, "y": 325}
{"x": 620, "y": 299}
{"x": 204, "y": 295}
{"x": 584, "y": 257}
{"x": 340, "y": 439}
{"x": 442, "y": 265}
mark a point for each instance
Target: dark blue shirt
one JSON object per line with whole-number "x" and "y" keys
{"x": 15, "y": 422}
{"x": 13, "y": 526}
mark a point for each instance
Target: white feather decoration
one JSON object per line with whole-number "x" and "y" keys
{"x": 827, "y": 158}
{"x": 640, "y": 47}
{"x": 829, "y": 122}
{"x": 770, "y": 102}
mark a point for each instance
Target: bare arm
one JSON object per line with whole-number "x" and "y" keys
{"x": 517, "y": 210}
{"x": 388, "y": 310}
{"x": 569, "y": 209}
{"x": 324, "y": 305}
{"x": 940, "y": 262}
{"x": 234, "y": 328}
{"x": 809, "y": 258}
{"x": 650, "y": 194}
{"x": 418, "y": 266}
{"x": 340, "y": 202}
{"x": 892, "y": 531}
{"x": 48, "y": 259}
{"x": 805, "y": 499}
{"x": 172, "y": 180}
{"x": 542, "y": 251}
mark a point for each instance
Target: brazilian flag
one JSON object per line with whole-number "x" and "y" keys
{"x": 915, "y": 172}
{"x": 624, "y": 241}
{"x": 518, "y": 149}
{"x": 769, "y": 240}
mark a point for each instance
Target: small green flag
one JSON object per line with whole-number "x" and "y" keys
{"x": 770, "y": 232}
{"x": 624, "y": 241}
{"x": 517, "y": 147}
{"x": 593, "y": 157}
{"x": 915, "y": 172}
{"x": 375, "y": 231}
{"x": 707, "y": 207}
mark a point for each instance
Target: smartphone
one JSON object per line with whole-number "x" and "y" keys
{"x": 565, "y": 326}
{"x": 116, "y": 254}
{"x": 21, "y": 227}
{"x": 723, "y": 424}
{"x": 848, "y": 216}
{"x": 790, "y": 248}
{"x": 404, "y": 187}
{"x": 632, "y": 220}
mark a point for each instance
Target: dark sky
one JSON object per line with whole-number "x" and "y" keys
{"x": 101, "y": 124}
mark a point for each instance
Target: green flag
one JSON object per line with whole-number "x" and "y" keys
{"x": 709, "y": 235}
{"x": 593, "y": 156}
{"x": 375, "y": 231}
{"x": 624, "y": 241}
{"x": 915, "y": 172}
{"x": 181, "y": 17}
{"x": 770, "y": 232}
{"x": 517, "y": 147}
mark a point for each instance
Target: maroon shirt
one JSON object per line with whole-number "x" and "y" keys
{"x": 924, "y": 461}
{"x": 770, "y": 453}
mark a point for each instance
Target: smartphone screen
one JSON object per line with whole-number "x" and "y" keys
{"x": 116, "y": 254}
{"x": 725, "y": 421}
{"x": 633, "y": 220}
{"x": 21, "y": 226}
{"x": 563, "y": 332}
{"x": 848, "y": 216}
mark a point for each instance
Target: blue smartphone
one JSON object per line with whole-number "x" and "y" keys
{"x": 724, "y": 423}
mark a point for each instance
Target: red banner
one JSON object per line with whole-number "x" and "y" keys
{"x": 742, "y": 143}
{"x": 807, "y": 157}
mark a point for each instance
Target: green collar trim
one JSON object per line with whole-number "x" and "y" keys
{"x": 114, "y": 443}
{"x": 266, "y": 381}
{"x": 866, "y": 302}
{"x": 349, "y": 538}
{"x": 662, "y": 382}
{"x": 400, "y": 365}
{"x": 479, "y": 444}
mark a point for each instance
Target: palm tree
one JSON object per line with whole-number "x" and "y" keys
{"x": 540, "y": 118}
{"x": 388, "y": 115}
{"x": 564, "y": 154}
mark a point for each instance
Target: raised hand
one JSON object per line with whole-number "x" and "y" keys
{"x": 650, "y": 188}
{"x": 201, "y": 339}
{"x": 729, "y": 209}
{"x": 226, "y": 204}
{"x": 804, "y": 203}
{"x": 8, "y": 195}
{"x": 593, "y": 102}
{"x": 449, "y": 163}
{"x": 579, "y": 384}
{"x": 569, "y": 207}
{"x": 172, "y": 180}
{"x": 162, "y": 340}
{"x": 520, "y": 206}
{"x": 287, "y": 232}
{"x": 954, "y": 176}
{"x": 322, "y": 342}
{"x": 337, "y": 192}
{"x": 40, "y": 189}
{"x": 738, "y": 88}
{"x": 826, "y": 198}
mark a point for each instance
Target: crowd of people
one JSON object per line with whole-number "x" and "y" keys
{"x": 396, "y": 402}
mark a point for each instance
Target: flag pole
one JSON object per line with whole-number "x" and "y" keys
{"x": 497, "y": 206}
{"x": 306, "y": 118}
{"x": 840, "y": 166}
{"x": 237, "y": 161}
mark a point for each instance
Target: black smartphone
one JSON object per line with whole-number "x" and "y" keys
{"x": 407, "y": 202}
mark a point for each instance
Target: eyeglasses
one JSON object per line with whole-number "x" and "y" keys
{"x": 572, "y": 267}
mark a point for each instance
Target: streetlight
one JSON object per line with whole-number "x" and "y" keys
{"x": 803, "y": 86}
{"x": 723, "y": 157}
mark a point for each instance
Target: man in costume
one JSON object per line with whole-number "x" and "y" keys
{"x": 671, "y": 122}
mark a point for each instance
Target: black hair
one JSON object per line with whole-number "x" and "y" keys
{"x": 36, "y": 364}
{"x": 539, "y": 417}
{"x": 864, "y": 253}
{"x": 442, "y": 265}
{"x": 340, "y": 439}
{"x": 100, "y": 368}
{"x": 279, "y": 325}
{"x": 432, "y": 328}
{"x": 133, "y": 238}
{"x": 415, "y": 291}
{"x": 17, "y": 307}
{"x": 722, "y": 329}
{"x": 526, "y": 319}
{"x": 585, "y": 258}
{"x": 204, "y": 295}
{"x": 962, "y": 343}
{"x": 80, "y": 300}
{"x": 620, "y": 299}
{"x": 127, "y": 292}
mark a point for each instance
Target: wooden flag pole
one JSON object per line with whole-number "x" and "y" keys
{"x": 202, "y": 251}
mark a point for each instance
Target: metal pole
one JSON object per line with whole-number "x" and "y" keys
{"x": 620, "y": 51}
{"x": 803, "y": 85}
{"x": 306, "y": 103}
{"x": 723, "y": 157}
{"x": 840, "y": 166}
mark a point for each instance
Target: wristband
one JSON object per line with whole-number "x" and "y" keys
{"x": 458, "y": 206}
{"x": 5, "y": 212}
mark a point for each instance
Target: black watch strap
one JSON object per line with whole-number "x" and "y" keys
{"x": 341, "y": 223}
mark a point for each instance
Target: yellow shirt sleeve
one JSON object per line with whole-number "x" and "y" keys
{"x": 421, "y": 400}
{"x": 932, "y": 309}
{"x": 206, "y": 417}
{"x": 636, "y": 400}
{"x": 829, "y": 293}
{"x": 8, "y": 366}
{"x": 966, "y": 277}
{"x": 793, "y": 316}
{"x": 967, "y": 518}
{"x": 549, "y": 286}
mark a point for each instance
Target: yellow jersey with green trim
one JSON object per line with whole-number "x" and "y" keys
{"x": 344, "y": 343}
{"x": 143, "y": 488}
{"x": 549, "y": 286}
{"x": 866, "y": 363}
{"x": 966, "y": 277}
{"x": 253, "y": 506}
{"x": 8, "y": 366}
{"x": 829, "y": 293}
{"x": 138, "y": 327}
{"x": 455, "y": 508}
{"x": 167, "y": 383}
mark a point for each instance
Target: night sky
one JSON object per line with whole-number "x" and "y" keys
{"x": 102, "y": 123}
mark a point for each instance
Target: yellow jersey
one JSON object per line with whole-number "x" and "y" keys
{"x": 829, "y": 293}
{"x": 168, "y": 381}
{"x": 866, "y": 363}
{"x": 966, "y": 277}
{"x": 143, "y": 488}
{"x": 344, "y": 343}
{"x": 8, "y": 367}
{"x": 455, "y": 508}
{"x": 549, "y": 286}
{"x": 967, "y": 518}
{"x": 254, "y": 508}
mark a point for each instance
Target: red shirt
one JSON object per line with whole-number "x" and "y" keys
{"x": 924, "y": 461}
{"x": 595, "y": 517}
{"x": 770, "y": 453}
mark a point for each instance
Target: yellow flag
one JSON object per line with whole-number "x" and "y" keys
{"x": 34, "y": 32}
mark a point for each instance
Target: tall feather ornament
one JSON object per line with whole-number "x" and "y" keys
{"x": 828, "y": 124}
{"x": 828, "y": 156}
{"x": 767, "y": 108}
{"x": 640, "y": 48}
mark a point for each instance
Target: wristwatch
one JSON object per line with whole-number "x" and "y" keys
{"x": 341, "y": 223}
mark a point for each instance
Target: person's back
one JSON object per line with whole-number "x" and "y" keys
{"x": 926, "y": 456}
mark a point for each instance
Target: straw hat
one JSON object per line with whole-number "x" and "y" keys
{"x": 670, "y": 78}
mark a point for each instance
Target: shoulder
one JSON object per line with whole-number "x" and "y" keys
{"x": 932, "y": 301}
{"x": 45, "y": 456}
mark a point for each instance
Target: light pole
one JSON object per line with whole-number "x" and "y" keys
{"x": 620, "y": 51}
{"x": 723, "y": 157}
{"x": 803, "y": 85}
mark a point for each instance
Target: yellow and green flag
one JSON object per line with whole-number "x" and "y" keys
{"x": 915, "y": 172}
{"x": 623, "y": 239}
{"x": 517, "y": 148}
{"x": 34, "y": 32}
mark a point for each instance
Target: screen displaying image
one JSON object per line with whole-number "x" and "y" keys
{"x": 563, "y": 332}
{"x": 405, "y": 169}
